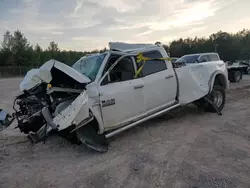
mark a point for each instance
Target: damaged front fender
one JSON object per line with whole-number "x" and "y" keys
{"x": 75, "y": 113}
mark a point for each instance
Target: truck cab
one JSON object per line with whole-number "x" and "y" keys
{"x": 116, "y": 89}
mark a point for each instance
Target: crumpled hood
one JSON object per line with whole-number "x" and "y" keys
{"x": 43, "y": 74}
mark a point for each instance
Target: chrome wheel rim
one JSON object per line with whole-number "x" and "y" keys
{"x": 237, "y": 76}
{"x": 248, "y": 71}
{"x": 217, "y": 98}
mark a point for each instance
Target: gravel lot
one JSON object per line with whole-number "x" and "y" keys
{"x": 185, "y": 149}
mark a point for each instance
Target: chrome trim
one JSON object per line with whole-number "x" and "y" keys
{"x": 169, "y": 76}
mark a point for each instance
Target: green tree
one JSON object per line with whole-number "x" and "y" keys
{"x": 6, "y": 56}
{"x": 53, "y": 47}
{"x": 21, "y": 49}
{"x": 38, "y": 48}
{"x": 7, "y": 41}
{"x": 16, "y": 50}
{"x": 37, "y": 53}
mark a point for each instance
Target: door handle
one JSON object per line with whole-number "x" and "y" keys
{"x": 138, "y": 86}
{"x": 198, "y": 66}
{"x": 169, "y": 76}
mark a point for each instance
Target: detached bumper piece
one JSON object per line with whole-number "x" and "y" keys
{"x": 5, "y": 119}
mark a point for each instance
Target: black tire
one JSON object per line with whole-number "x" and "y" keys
{"x": 88, "y": 136}
{"x": 218, "y": 95}
{"x": 248, "y": 70}
{"x": 202, "y": 104}
{"x": 199, "y": 104}
{"x": 237, "y": 76}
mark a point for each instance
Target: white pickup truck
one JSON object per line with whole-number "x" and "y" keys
{"x": 104, "y": 94}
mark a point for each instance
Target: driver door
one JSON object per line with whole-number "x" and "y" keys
{"x": 121, "y": 95}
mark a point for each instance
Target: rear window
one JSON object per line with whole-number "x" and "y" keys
{"x": 204, "y": 58}
{"x": 189, "y": 59}
{"x": 153, "y": 66}
{"x": 214, "y": 57}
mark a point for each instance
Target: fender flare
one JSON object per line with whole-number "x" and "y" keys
{"x": 223, "y": 80}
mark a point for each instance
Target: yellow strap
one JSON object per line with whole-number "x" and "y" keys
{"x": 139, "y": 70}
{"x": 165, "y": 58}
{"x": 141, "y": 58}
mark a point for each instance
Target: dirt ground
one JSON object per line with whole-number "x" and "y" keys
{"x": 181, "y": 149}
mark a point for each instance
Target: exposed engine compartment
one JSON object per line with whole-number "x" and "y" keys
{"x": 28, "y": 106}
{"x": 54, "y": 96}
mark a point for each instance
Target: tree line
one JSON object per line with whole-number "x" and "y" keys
{"x": 231, "y": 47}
{"x": 15, "y": 49}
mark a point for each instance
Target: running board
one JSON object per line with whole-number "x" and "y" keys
{"x": 117, "y": 131}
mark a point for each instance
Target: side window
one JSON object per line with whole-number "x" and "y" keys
{"x": 153, "y": 66}
{"x": 123, "y": 71}
{"x": 110, "y": 62}
{"x": 204, "y": 58}
{"x": 214, "y": 57}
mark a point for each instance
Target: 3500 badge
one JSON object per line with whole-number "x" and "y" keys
{"x": 109, "y": 102}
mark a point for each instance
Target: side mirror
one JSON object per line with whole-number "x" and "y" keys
{"x": 180, "y": 61}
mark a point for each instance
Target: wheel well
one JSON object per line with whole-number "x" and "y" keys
{"x": 220, "y": 80}
{"x": 94, "y": 122}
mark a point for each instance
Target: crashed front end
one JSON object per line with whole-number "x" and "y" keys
{"x": 40, "y": 111}
{"x": 52, "y": 98}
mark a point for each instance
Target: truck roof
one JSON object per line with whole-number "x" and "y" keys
{"x": 129, "y": 47}
{"x": 198, "y": 54}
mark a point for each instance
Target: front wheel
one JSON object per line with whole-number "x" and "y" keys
{"x": 88, "y": 136}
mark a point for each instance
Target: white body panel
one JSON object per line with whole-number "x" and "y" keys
{"x": 194, "y": 79}
{"x": 125, "y": 47}
{"x": 128, "y": 104}
{"x": 236, "y": 65}
{"x": 32, "y": 78}
{"x": 159, "y": 90}
{"x": 43, "y": 74}
{"x": 76, "y": 112}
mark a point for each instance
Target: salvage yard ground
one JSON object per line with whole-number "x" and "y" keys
{"x": 187, "y": 148}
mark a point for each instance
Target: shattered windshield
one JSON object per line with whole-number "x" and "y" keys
{"x": 188, "y": 58}
{"x": 90, "y": 65}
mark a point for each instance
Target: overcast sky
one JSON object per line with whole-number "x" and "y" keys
{"x": 91, "y": 24}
